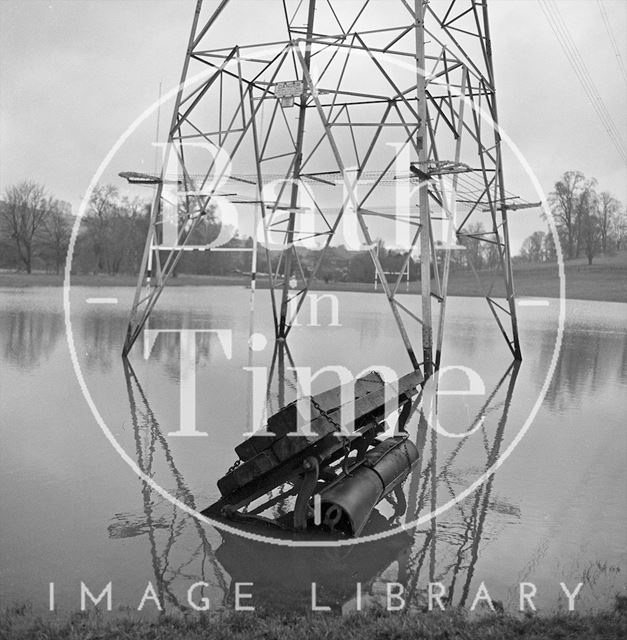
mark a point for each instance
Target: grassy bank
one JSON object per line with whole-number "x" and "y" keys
{"x": 605, "y": 280}
{"x": 18, "y": 624}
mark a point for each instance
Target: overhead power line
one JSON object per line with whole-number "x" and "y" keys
{"x": 586, "y": 74}
{"x": 610, "y": 33}
{"x": 562, "y": 33}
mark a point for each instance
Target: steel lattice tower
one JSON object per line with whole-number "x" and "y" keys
{"x": 335, "y": 99}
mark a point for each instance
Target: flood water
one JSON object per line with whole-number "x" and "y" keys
{"x": 72, "y": 509}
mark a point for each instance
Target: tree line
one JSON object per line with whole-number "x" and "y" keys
{"x": 589, "y": 222}
{"x": 35, "y": 231}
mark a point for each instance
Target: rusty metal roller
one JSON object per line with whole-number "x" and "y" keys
{"x": 347, "y": 504}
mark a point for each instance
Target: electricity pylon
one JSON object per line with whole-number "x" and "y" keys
{"x": 362, "y": 102}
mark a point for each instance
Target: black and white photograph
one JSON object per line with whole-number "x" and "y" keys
{"x": 313, "y": 319}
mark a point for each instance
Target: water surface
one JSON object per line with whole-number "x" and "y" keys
{"x": 73, "y": 510}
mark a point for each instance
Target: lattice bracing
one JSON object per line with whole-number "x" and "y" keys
{"x": 332, "y": 113}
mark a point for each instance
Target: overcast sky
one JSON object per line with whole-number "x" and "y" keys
{"x": 74, "y": 74}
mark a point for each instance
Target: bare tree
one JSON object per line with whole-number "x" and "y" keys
{"x": 114, "y": 232}
{"x": 588, "y": 221}
{"x": 473, "y": 240}
{"x": 564, "y": 201}
{"x": 22, "y": 217}
{"x": 619, "y": 227}
{"x": 492, "y": 255}
{"x": 608, "y": 209}
{"x": 532, "y": 249}
{"x": 57, "y": 229}
{"x": 549, "y": 249}
{"x": 98, "y": 224}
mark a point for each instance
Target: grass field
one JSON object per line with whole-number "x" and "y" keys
{"x": 19, "y": 624}
{"x": 605, "y": 280}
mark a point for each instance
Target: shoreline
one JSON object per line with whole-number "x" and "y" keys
{"x": 603, "y": 282}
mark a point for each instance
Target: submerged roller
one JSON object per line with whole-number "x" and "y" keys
{"x": 334, "y": 472}
{"x": 346, "y": 505}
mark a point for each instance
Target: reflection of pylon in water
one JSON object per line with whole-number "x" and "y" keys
{"x": 365, "y": 89}
{"x": 149, "y": 441}
{"x": 195, "y": 549}
{"x": 466, "y": 549}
